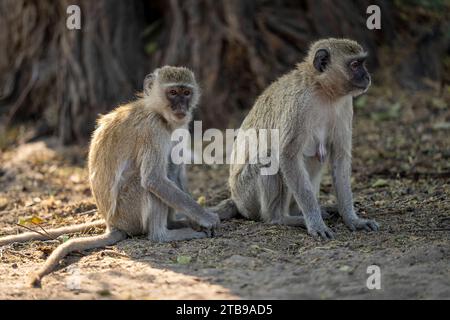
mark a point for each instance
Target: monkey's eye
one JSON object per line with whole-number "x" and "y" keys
{"x": 173, "y": 92}
{"x": 187, "y": 92}
{"x": 354, "y": 65}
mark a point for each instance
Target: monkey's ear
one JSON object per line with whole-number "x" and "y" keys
{"x": 148, "y": 83}
{"x": 321, "y": 60}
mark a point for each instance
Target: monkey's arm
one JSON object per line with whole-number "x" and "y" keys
{"x": 177, "y": 174}
{"x": 341, "y": 172}
{"x": 168, "y": 192}
{"x": 297, "y": 179}
{"x": 154, "y": 179}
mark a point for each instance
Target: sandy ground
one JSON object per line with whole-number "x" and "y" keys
{"x": 401, "y": 178}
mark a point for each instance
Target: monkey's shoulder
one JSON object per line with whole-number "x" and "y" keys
{"x": 128, "y": 128}
{"x": 132, "y": 115}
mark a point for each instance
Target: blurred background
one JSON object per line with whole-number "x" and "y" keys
{"x": 55, "y": 81}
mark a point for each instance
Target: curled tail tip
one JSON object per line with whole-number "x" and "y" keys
{"x": 35, "y": 281}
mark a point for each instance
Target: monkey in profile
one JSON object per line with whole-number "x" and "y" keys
{"x": 312, "y": 107}
{"x": 137, "y": 188}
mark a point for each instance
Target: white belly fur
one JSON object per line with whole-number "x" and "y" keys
{"x": 324, "y": 119}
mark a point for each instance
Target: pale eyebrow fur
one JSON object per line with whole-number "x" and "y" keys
{"x": 175, "y": 84}
{"x": 362, "y": 55}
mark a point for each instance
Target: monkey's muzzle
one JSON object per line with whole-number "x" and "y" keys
{"x": 180, "y": 114}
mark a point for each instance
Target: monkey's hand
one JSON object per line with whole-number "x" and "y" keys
{"x": 362, "y": 224}
{"x": 320, "y": 230}
{"x": 209, "y": 220}
{"x": 209, "y": 223}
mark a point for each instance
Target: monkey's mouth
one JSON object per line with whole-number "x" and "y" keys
{"x": 361, "y": 87}
{"x": 180, "y": 114}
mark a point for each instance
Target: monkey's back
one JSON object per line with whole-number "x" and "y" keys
{"x": 280, "y": 106}
{"x": 113, "y": 154}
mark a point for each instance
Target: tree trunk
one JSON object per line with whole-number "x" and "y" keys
{"x": 236, "y": 48}
{"x": 69, "y": 76}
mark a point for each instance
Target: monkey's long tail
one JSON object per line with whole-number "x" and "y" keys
{"x": 50, "y": 234}
{"x": 107, "y": 239}
{"x": 226, "y": 209}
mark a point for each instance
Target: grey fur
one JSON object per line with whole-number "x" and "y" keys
{"x": 313, "y": 111}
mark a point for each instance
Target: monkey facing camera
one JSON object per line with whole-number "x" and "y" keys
{"x": 312, "y": 106}
{"x": 137, "y": 188}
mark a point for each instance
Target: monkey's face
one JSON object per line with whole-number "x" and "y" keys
{"x": 342, "y": 71}
{"x": 180, "y": 100}
{"x": 359, "y": 77}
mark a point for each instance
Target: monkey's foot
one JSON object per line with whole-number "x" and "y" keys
{"x": 321, "y": 231}
{"x": 210, "y": 233}
{"x": 362, "y": 224}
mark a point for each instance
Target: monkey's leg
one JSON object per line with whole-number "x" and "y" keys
{"x": 173, "y": 222}
{"x": 226, "y": 209}
{"x": 157, "y": 216}
{"x": 275, "y": 202}
{"x": 297, "y": 180}
{"x": 268, "y": 200}
{"x": 272, "y": 197}
{"x": 245, "y": 193}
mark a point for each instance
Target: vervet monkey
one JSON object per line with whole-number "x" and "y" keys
{"x": 312, "y": 106}
{"x": 135, "y": 185}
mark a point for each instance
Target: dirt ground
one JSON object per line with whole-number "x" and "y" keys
{"x": 401, "y": 178}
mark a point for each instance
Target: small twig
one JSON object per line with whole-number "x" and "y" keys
{"x": 87, "y": 212}
{"x": 32, "y": 230}
{"x": 45, "y": 231}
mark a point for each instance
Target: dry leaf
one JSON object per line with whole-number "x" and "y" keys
{"x": 30, "y": 220}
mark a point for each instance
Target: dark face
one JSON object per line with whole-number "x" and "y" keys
{"x": 359, "y": 77}
{"x": 179, "y": 98}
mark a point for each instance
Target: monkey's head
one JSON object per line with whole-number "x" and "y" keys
{"x": 176, "y": 90}
{"x": 339, "y": 66}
